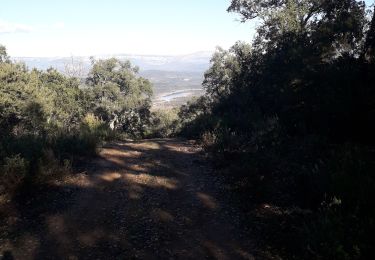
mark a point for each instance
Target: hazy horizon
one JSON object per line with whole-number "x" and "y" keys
{"x": 207, "y": 52}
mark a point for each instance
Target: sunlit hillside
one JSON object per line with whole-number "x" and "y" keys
{"x": 216, "y": 129}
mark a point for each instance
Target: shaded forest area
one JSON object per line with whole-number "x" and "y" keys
{"x": 287, "y": 120}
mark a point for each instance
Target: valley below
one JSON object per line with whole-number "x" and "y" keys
{"x": 175, "y": 79}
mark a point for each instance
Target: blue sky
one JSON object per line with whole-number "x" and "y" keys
{"x": 89, "y": 27}
{"x": 93, "y": 27}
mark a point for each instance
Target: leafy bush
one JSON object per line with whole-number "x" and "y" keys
{"x": 93, "y": 130}
{"x": 48, "y": 120}
{"x": 13, "y": 172}
{"x": 164, "y": 123}
{"x": 288, "y": 120}
{"x": 50, "y": 168}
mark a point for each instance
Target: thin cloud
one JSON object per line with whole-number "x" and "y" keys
{"x": 7, "y": 27}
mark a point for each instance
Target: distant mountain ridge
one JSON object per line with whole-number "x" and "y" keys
{"x": 195, "y": 62}
{"x": 169, "y": 74}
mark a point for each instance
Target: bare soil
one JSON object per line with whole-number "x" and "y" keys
{"x": 152, "y": 199}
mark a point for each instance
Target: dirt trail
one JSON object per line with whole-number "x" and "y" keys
{"x": 154, "y": 199}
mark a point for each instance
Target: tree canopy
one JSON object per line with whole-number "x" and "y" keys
{"x": 290, "y": 116}
{"x": 47, "y": 110}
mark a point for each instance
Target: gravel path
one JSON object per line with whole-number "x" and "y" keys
{"x": 152, "y": 199}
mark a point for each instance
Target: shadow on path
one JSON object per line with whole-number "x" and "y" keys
{"x": 153, "y": 199}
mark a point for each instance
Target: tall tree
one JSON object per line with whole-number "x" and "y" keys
{"x": 3, "y": 54}
{"x": 121, "y": 97}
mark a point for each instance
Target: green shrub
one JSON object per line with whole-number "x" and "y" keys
{"x": 13, "y": 173}
{"x": 51, "y": 168}
{"x": 91, "y": 133}
{"x": 164, "y": 123}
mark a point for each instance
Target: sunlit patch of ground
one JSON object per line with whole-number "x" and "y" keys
{"x": 177, "y": 148}
{"x": 146, "y": 145}
{"x": 151, "y": 181}
{"x": 136, "y": 200}
{"x": 111, "y": 176}
{"x": 207, "y": 200}
{"x": 81, "y": 180}
{"x": 140, "y": 168}
{"x": 111, "y": 152}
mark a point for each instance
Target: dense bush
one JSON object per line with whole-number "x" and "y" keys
{"x": 164, "y": 123}
{"x": 288, "y": 119}
{"x": 48, "y": 120}
{"x": 12, "y": 172}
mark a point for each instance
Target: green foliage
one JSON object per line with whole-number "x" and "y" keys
{"x": 345, "y": 223}
{"x": 118, "y": 96}
{"x": 3, "y": 54}
{"x": 196, "y": 117}
{"x": 289, "y": 117}
{"x": 164, "y": 123}
{"x": 92, "y": 131}
{"x": 48, "y": 119}
{"x": 50, "y": 167}
{"x": 12, "y": 172}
